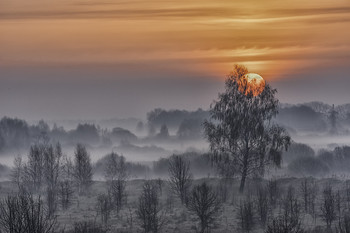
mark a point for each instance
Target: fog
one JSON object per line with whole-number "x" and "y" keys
{"x": 143, "y": 141}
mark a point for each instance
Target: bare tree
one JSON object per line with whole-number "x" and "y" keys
{"x": 22, "y": 214}
{"x": 116, "y": 176}
{"x": 291, "y": 206}
{"x": 273, "y": 191}
{"x": 34, "y": 168}
{"x": 82, "y": 168}
{"x": 240, "y": 130}
{"x": 343, "y": 224}
{"x": 328, "y": 207}
{"x": 104, "y": 207}
{"x": 65, "y": 184}
{"x": 262, "y": 204}
{"x": 52, "y": 164}
{"x": 204, "y": 202}
{"x": 180, "y": 176}
{"x": 160, "y": 185}
{"x": 246, "y": 214}
{"x": 17, "y": 171}
{"x": 223, "y": 190}
{"x": 347, "y": 193}
{"x": 149, "y": 210}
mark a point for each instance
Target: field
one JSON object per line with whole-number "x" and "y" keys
{"x": 179, "y": 219}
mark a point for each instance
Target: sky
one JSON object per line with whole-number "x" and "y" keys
{"x": 87, "y": 59}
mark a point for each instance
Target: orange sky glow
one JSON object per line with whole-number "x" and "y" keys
{"x": 271, "y": 38}
{"x": 85, "y": 58}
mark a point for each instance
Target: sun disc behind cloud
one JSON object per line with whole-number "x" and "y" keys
{"x": 251, "y": 83}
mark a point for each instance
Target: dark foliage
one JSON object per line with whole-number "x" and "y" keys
{"x": 204, "y": 203}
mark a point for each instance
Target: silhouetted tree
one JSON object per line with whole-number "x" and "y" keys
{"x": 52, "y": 165}
{"x": 82, "y": 168}
{"x": 104, "y": 207}
{"x": 65, "y": 185}
{"x": 308, "y": 189}
{"x": 283, "y": 224}
{"x": 116, "y": 175}
{"x": 180, "y": 176}
{"x": 204, "y": 202}
{"x": 262, "y": 204}
{"x": 14, "y": 133}
{"x": 343, "y": 224}
{"x": 23, "y": 214}
{"x": 86, "y": 133}
{"x": 149, "y": 210}
{"x": 240, "y": 128}
{"x": 17, "y": 171}
{"x": 333, "y": 120}
{"x": 34, "y": 168}
{"x": 291, "y": 206}
{"x": 328, "y": 207}
{"x": 274, "y": 191}
{"x": 246, "y": 214}
{"x": 164, "y": 132}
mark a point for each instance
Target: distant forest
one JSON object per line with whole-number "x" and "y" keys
{"x": 187, "y": 125}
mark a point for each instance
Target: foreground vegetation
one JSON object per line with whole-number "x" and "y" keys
{"x": 276, "y": 205}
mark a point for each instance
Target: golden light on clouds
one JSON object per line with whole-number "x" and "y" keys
{"x": 201, "y": 37}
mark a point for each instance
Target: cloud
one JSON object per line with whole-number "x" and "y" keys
{"x": 168, "y": 40}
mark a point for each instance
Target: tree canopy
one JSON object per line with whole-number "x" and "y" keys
{"x": 240, "y": 130}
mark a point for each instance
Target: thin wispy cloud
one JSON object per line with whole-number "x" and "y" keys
{"x": 174, "y": 39}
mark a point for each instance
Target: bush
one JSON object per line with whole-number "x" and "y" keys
{"x": 23, "y": 213}
{"x": 284, "y": 224}
{"x": 204, "y": 202}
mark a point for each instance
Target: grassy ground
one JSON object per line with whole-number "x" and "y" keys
{"x": 178, "y": 218}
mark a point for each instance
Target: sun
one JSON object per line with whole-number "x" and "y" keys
{"x": 251, "y": 83}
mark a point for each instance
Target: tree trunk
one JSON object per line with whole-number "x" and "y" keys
{"x": 241, "y": 187}
{"x": 245, "y": 169}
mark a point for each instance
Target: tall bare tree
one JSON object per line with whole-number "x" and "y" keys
{"x": 149, "y": 210}
{"x": 82, "y": 168}
{"x": 104, "y": 207}
{"x": 34, "y": 168}
{"x": 65, "y": 185}
{"x": 328, "y": 207}
{"x": 180, "y": 176}
{"x": 204, "y": 202}
{"x": 17, "y": 171}
{"x": 116, "y": 176}
{"x": 240, "y": 128}
{"x": 52, "y": 164}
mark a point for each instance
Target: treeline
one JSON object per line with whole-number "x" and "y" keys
{"x": 312, "y": 117}
{"x": 302, "y": 160}
{"x": 16, "y": 133}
